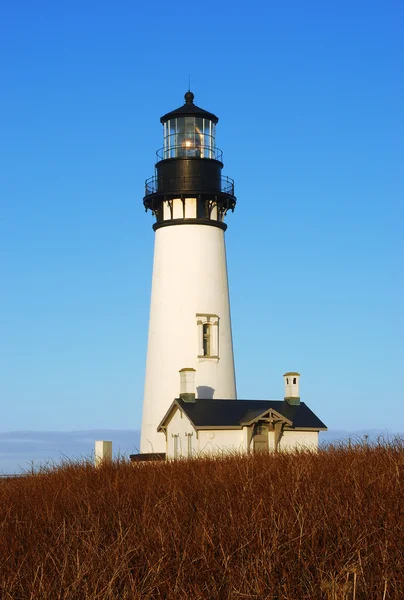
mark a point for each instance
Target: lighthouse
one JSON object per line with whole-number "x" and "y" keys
{"x": 190, "y": 324}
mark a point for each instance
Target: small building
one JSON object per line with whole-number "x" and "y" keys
{"x": 196, "y": 426}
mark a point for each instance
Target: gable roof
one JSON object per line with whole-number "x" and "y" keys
{"x": 269, "y": 413}
{"x": 206, "y": 414}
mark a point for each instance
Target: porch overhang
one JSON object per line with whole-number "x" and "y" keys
{"x": 270, "y": 416}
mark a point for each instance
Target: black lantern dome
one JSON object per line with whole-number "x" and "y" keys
{"x": 188, "y": 169}
{"x": 189, "y": 110}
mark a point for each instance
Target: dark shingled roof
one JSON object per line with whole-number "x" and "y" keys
{"x": 232, "y": 413}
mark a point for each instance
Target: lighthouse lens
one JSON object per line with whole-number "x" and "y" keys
{"x": 189, "y": 137}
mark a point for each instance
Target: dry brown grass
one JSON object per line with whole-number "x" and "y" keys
{"x": 281, "y": 527}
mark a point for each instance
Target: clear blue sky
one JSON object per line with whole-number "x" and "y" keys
{"x": 310, "y": 98}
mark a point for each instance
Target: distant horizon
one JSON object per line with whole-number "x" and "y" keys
{"x": 22, "y": 450}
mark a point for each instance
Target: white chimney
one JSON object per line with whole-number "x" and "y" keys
{"x": 103, "y": 452}
{"x": 187, "y": 385}
{"x": 292, "y": 387}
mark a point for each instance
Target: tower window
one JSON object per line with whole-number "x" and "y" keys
{"x": 208, "y": 335}
{"x": 206, "y": 339}
{"x": 294, "y": 379}
{"x": 202, "y": 209}
{"x": 287, "y": 381}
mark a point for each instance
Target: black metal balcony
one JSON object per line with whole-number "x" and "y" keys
{"x": 188, "y": 184}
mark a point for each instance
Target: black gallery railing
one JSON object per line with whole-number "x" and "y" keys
{"x": 191, "y": 151}
{"x": 185, "y": 184}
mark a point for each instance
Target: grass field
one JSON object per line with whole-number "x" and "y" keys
{"x": 299, "y": 526}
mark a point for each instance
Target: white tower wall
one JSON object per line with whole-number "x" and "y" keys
{"x": 189, "y": 290}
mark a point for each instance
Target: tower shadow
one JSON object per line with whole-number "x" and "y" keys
{"x": 205, "y": 392}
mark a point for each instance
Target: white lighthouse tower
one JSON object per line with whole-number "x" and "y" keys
{"x": 190, "y": 323}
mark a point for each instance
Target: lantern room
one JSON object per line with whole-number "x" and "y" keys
{"x": 189, "y": 137}
{"x": 188, "y": 181}
{"x": 189, "y": 132}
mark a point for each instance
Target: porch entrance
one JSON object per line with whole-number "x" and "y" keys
{"x": 260, "y": 439}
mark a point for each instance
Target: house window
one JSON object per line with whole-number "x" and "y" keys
{"x": 189, "y": 443}
{"x": 175, "y": 440}
{"x": 208, "y": 336}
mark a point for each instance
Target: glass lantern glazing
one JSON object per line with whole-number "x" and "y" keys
{"x": 189, "y": 137}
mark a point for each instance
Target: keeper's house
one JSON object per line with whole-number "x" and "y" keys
{"x": 194, "y": 427}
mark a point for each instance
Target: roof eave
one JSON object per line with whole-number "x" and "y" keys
{"x": 222, "y": 427}
{"x": 309, "y": 428}
{"x": 161, "y": 425}
{"x": 195, "y": 111}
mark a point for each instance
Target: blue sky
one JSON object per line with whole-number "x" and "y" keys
{"x": 310, "y": 99}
